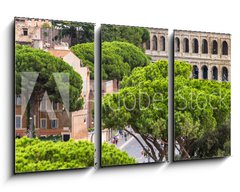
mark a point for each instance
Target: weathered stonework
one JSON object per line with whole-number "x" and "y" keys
{"x": 209, "y": 53}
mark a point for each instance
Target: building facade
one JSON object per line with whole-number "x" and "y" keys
{"x": 209, "y": 53}
{"x": 157, "y": 46}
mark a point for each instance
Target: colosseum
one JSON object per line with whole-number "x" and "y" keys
{"x": 209, "y": 53}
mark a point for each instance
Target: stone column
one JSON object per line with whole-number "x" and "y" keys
{"x": 210, "y": 74}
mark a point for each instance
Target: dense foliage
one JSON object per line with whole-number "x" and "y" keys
{"x": 118, "y": 58}
{"x": 36, "y": 155}
{"x": 53, "y": 76}
{"x": 202, "y": 115}
{"x": 35, "y": 60}
{"x": 112, "y": 156}
{"x": 77, "y": 32}
{"x": 135, "y": 35}
{"x": 202, "y": 111}
{"x": 142, "y": 102}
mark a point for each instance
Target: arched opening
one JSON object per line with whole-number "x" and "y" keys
{"x": 177, "y": 44}
{"x": 214, "y": 47}
{"x": 195, "y": 72}
{"x": 162, "y": 43}
{"x": 204, "y": 46}
{"x": 148, "y": 45}
{"x": 185, "y": 45}
{"x": 224, "y": 48}
{"x": 224, "y": 74}
{"x": 205, "y": 72}
{"x": 154, "y": 43}
{"x": 214, "y": 73}
{"x": 195, "y": 45}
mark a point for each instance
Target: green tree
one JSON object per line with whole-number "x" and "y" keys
{"x": 201, "y": 109}
{"x": 142, "y": 103}
{"x": 112, "y": 156}
{"x": 202, "y": 113}
{"x": 134, "y": 35}
{"x": 78, "y": 32}
{"x": 118, "y": 58}
{"x": 33, "y": 60}
{"x": 36, "y": 155}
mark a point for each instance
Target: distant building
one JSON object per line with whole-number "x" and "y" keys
{"x": 157, "y": 46}
{"x": 79, "y": 119}
{"x": 209, "y": 53}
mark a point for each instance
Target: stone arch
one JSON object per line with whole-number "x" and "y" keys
{"x": 162, "y": 43}
{"x": 185, "y": 45}
{"x": 224, "y": 48}
{"x": 177, "y": 44}
{"x": 224, "y": 74}
{"x": 154, "y": 43}
{"x": 204, "y": 72}
{"x": 195, "y": 46}
{"x": 214, "y": 73}
{"x": 195, "y": 72}
{"x": 214, "y": 47}
{"x": 204, "y": 46}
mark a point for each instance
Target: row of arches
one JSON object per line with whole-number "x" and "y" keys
{"x": 161, "y": 45}
{"x": 195, "y": 46}
{"x": 205, "y": 75}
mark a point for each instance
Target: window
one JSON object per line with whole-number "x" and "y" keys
{"x": 186, "y": 45}
{"x": 25, "y": 32}
{"x": 214, "y": 47}
{"x": 195, "y": 72}
{"x": 18, "y": 100}
{"x": 43, "y": 123}
{"x": 205, "y": 72}
{"x": 162, "y": 43}
{"x": 215, "y": 73}
{"x": 224, "y": 74}
{"x": 204, "y": 46}
{"x": 18, "y": 121}
{"x": 155, "y": 44}
{"x": 54, "y": 123}
{"x": 195, "y": 46}
{"x": 177, "y": 44}
{"x": 224, "y": 48}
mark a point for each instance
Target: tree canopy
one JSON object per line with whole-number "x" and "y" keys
{"x": 200, "y": 106}
{"x": 77, "y": 32}
{"x": 118, "y": 58}
{"x": 34, "y": 60}
{"x": 202, "y": 113}
{"x": 36, "y": 155}
{"x": 135, "y": 35}
{"x": 142, "y": 103}
{"x": 112, "y": 156}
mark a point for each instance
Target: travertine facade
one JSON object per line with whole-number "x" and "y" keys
{"x": 157, "y": 46}
{"x": 209, "y": 53}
